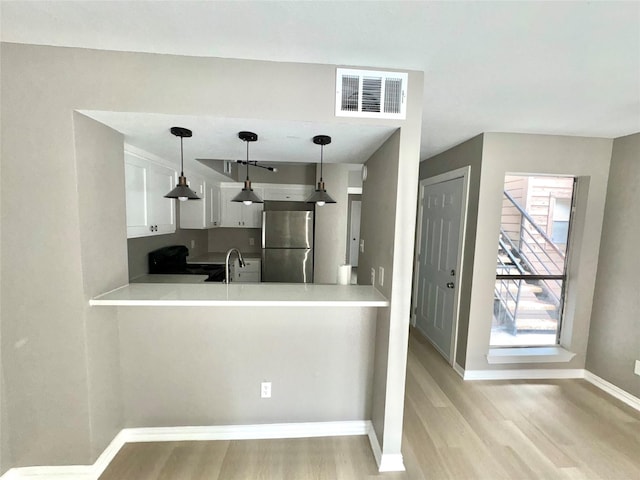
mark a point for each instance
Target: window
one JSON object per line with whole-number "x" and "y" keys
{"x": 531, "y": 260}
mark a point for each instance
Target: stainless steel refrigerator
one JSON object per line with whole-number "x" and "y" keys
{"x": 287, "y": 246}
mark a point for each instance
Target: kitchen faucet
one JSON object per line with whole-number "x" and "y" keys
{"x": 226, "y": 263}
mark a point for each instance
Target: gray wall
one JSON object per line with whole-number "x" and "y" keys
{"x": 586, "y": 158}
{"x": 206, "y": 367}
{"x": 376, "y": 229}
{"x": 222, "y": 239}
{"x": 139, "y": 247}
{"x": 100, "y": 167}
{"x": 48, "y": 359}
{"x": 491, "y": 155}
{"x": 469, "y": 154}
{"x": 614, "y": 336}
{"x": 331, "y": 223}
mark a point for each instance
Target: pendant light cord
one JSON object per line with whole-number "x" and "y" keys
{"x": 181, "y": 158}
{"x": 321, "y": 152}
{"x": 247, "y": 161}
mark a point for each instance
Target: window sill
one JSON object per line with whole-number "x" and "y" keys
{"x": 529, "y": 355}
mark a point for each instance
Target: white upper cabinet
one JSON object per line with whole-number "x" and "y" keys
{"x": 213, "y": 205}
{"x": 204, "y": 213}
{"x": 290, "y": 193}
{"x": 146, "y": 184}
{"x": 236, "y": 214}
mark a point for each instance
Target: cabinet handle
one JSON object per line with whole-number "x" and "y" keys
{"x": 151, "y": 228}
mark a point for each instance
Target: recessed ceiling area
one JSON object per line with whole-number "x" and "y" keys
{"x": 561, "y": 68}
{"x": 216, "y": 138}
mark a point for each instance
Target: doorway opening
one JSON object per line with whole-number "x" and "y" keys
{"x": 532, "y": 260}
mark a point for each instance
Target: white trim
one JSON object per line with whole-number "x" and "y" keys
{"x": 459, "y": 370}
{"x": 169, "y": 434}
{"x": 375, "y": 444}
{"x": 247, "y": 432}
{"x": 149, "y": 157}
{"x": 465, "y": 174}
{"x": 387, "y": 462}
{"x": 109, "y": 453}
{"x": 66, "y": 472}
{"x": 529, "y": 355}
{"x": 391, "y": 463}
{"x": 521, "y": 374}
{"x": 611, "y": 389}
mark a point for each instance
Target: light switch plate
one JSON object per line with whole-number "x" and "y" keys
{"x": 373, "y": 276}
{"x": 381, "y": 276}
{"x": 361, "y": 245}
{"x": 637, "y": 369}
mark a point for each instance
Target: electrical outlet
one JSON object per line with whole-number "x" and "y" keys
{"x": 381, "y": 275}
{"x": 193, "y": 244}
{"x": 252, "y": 241}
{"x": 265, "y": 390}
{"x": 373, "y": 276}
{"x": 637, "y": 369}
{"x": 361, "y": 245}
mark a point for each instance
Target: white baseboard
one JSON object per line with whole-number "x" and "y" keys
{"x": 611, "y": 389}
{"x": 387, "y": 462}
{"x": 67, "y": 472}
{"x": 247, "y": 432}
{"x": 459, "y": 370}
{"x": 170, "y": 434}
{"x": 519, "y": 374}
{"x": 601, "y": 383}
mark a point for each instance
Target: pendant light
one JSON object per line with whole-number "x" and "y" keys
{"x": 247, "y": 196}
{"x": 182, "y": 191}
{"x": 320, "y": 196}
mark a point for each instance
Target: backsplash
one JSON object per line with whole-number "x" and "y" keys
{"x": 222, "y": 239}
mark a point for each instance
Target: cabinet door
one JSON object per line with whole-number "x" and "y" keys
{"x": 135, "y": 174}
{"x": 160, "y": 181}
{"x": 231, "y": 214}
{"x": 252, "y": 214}
{"x": 192, "y": 212}
{"x": 213, "y": 205}
{"x": 249, "y": 274}
{"x": 291, "y": 193}
{"x": 146, "y": 184}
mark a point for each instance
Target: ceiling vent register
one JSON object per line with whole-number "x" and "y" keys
{"x": 367, "y": 93}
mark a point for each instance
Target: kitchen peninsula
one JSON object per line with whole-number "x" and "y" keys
{"x": 196, "y": 354}
{"x": 239, "y": 295}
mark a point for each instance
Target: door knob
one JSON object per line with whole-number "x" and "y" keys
{"x": 450, "y": 285}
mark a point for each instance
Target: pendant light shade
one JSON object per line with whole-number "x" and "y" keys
{"x": 182, "y": 191}
{"x": 320, "y": 197}
{"x": 247, "y": 196}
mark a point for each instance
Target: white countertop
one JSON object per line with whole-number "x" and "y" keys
{"x": 218, "y": 258}
{"x": 169, "y": 278}
{"x": 241, "y": 295}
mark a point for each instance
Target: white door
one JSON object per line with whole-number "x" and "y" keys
{"x": 354, "y": 232}
{"x": 441, "y": 207}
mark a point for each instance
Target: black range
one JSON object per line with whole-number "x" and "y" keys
{"x": 173, "y": 260}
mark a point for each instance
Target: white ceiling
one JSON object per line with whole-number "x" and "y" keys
{"x": 278, "y": 141}
{"x": 569, "y": 68}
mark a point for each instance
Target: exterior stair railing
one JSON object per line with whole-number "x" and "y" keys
{"x": 527, "y": 260}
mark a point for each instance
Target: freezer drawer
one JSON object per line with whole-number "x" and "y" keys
{"x": 287, "y": 265}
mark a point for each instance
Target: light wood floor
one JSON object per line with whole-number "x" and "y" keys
{"x": 512, "y": 430}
